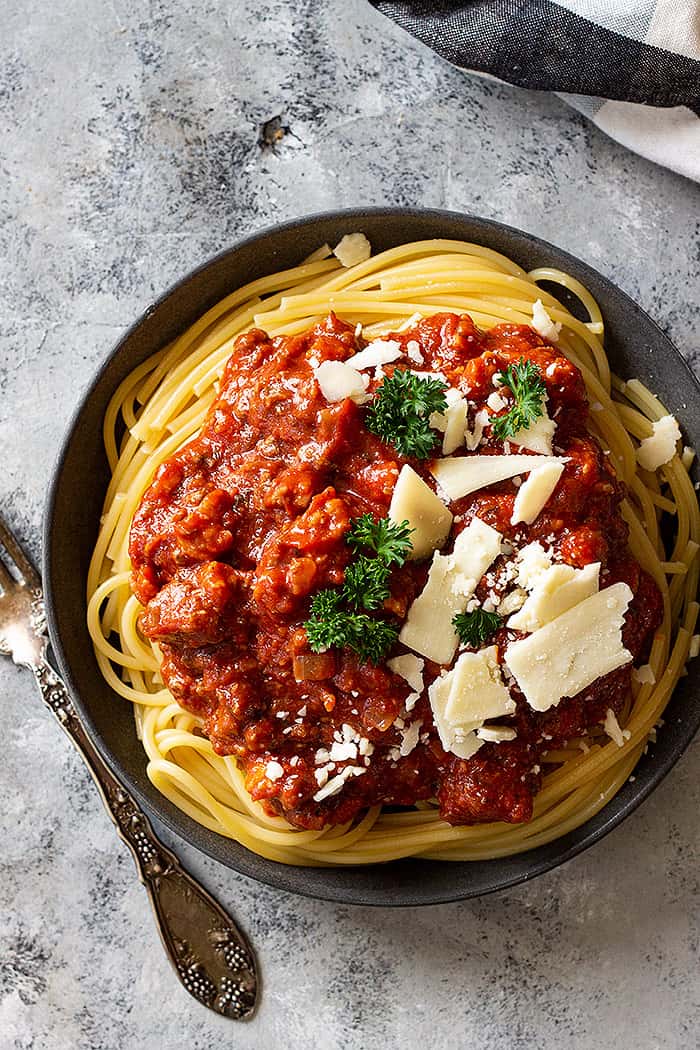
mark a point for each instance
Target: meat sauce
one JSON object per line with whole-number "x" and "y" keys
{"x": 243, "y": 525}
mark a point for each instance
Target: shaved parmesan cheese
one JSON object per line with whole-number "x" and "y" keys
{"x": 354, "y": 248}
{"x": 496, "y": 734}
{"x": 338, "y": 380}
{"x": 694, "y": 648}
{"x": 453, "y": 422}
{"x": 452, "y": 580}
{"x": 532, "y": 561}
{"x": 475, "y": 549}
{"x": 539, "y": 436}
{"x": 477, "y": 691}
{"x": 533, "y": 494}
{"x": 380, "y": 352}
{"x": 410, "y": 322}
{"x": 459, "y": 741}
{"x": 428, "y": 625}
{"x": 413, "y": 352}
{"x": 512, "y": 602}
{"x": 495, "y": 402}
{"x": 456, "y": 419}
{"x": 644, "y": 675}
{"x": 658, "y": 449}
{"x": 438, "y": 420}
{"x": 612, "y": 728}
{"x": 415, "y": 502}
{"x": 569, "y": 653}
{"x": 556, "y": 590}
{"x": 409, "y": 738}
{"x": 410, "y": 668}
{"x": 543, "y": 323}
{"x": 460, "y": 475}
{"x": 473, "y": 437}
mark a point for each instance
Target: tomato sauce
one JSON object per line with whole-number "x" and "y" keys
{"x": 241, "y": 528}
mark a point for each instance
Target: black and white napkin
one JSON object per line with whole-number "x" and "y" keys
{"x": 630, "y": 66}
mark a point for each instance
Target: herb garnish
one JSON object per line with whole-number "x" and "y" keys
{"x": 400, "y": 412}
{"x": 525, "y": 382}
{"x": 331, "y": 624}
{"x": 475, "y": 627}
{"x": 390, "y": 541}
{"x": 332, "y": 627}
{"x": 366, "y": 583}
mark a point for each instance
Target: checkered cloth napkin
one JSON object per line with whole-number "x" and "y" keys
{"x": 631, "y": 66}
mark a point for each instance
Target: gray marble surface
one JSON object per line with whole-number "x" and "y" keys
{"x": 129, "y": 151}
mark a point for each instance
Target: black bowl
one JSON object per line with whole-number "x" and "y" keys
{"x": 636, "y": 347}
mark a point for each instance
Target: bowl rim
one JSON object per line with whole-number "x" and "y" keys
{"x": 289, "y": 878}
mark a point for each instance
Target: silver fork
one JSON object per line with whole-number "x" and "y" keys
{"x": 208, "y": 951}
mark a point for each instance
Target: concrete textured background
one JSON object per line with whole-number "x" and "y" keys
{"x": 129, "y": 151}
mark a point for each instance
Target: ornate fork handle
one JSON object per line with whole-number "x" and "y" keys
{"x": 208, "y": 952}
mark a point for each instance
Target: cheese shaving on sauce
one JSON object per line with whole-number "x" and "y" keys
{"x": 534, "y": 494}
{"x": 413, "y": 501}
{"x": 477, "y": 691}
{"x": 496, "y": 734}
{"x": 539, "y": 436}
{"x": 338, "y": 380}
{"x": 572, "y": 651}
{"x": 556, "y": 590}
{"x": 410, "y": 668}
{"x": 461, "y": 475}
{"x": 465, "y": 697}
{"x": 453, "y": 422}
{"x": 380, "y": 352}
{"x": 459, "y": 741}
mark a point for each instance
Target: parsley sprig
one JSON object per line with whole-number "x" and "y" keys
{"x": 391, "y": 542}
{"x": 525, "y": 382}
{"x": 474, "y": 628}
{"x": 366, "y": 586}
{"x": 400, "y": 412}
{"x": 366, "y": 582}
{"x": 333, "y": 627}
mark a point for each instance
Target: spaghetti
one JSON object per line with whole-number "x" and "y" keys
{"x": 163, "y": 404}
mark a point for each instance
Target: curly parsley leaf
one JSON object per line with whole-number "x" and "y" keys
{"x": 331, "y": 626}
{"x": 391, "y": 542}
{"x": 475, "y": 627}
{"x": 326, "y": 627}
{"x": 400, "y": 412}
{"x": 527, "y": 386}
{"x": 366, "y": 582}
